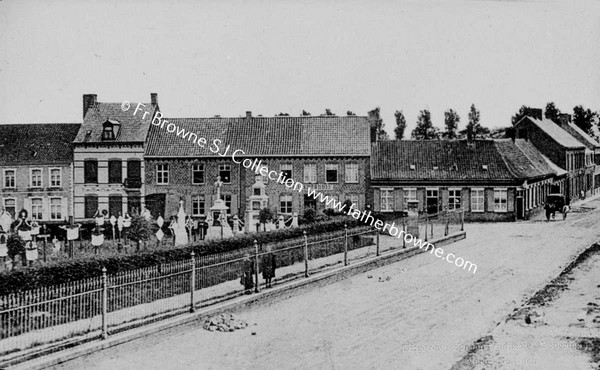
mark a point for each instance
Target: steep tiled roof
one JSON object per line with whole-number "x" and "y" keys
{"x": 264, "y": 136}
{"x": 456, "y": 160}
{"x": 581, "y": 136}
{"x": 559, "y": 135}
{"x": 523, "y": 159}
{"x": 37, "y": 143}
{"x": 132, "y": 128}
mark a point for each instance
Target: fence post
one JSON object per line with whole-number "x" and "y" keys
{"x": 404, "y": 229}
{"x": 447, "y": 220}
{"x": 345, "y": 245}
{"x": 256, "y": 265}
{"x": 426, "y": 225}
{"x": 192, "y": 282}
{"x": 306, "y": 274}
{"x": 377, "y": 250}
{"x": 104, "y": 303}
{"x": 462, "y": 220}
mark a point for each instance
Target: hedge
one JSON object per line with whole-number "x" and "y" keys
{"x": 73, "y": 270}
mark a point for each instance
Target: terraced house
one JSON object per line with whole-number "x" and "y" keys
{"x": 491, "y": 180}
{"x": 36, "y": 169}
{"x": 328, "y": 153}
{"x": 108, "y": 158}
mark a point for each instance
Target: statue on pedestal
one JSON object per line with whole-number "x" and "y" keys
{"x": 178, "y": 227}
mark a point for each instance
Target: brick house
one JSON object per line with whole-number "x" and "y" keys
{"x": 491, "y": 180}
{"x": 329, "y": 153}
{"x": 560, "y": 147}
{"x": 592, "y": 152}
{"x": 108, "y": 157}
{"x": 36, "y": 169}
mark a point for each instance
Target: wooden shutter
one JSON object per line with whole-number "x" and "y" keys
{"x": 64, "y": 208}
{"x": 377, "y": 200}
{"x": 489, "y": 200}
{"x": 510, "y": 200}
{"x": 398, "y": 199}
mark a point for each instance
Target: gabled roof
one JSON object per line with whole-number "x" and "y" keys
{"x": 39, "y": 143}
{"x": 558, "y": 134}
{"x": 264, "y": 136}
{"x": 132, "y": 128}
{"x": 523, "y": 159}
{"x": 481, "y": 160}
{"x": 581, "y": 136}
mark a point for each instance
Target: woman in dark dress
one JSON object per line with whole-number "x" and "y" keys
{"x": 247, "y": 279}
{"x": 268, "y": 266}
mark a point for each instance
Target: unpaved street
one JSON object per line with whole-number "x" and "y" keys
{"x": 424, "y": 317}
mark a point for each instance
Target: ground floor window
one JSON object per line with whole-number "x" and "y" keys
{"x": 56, "y": 208}
{"x": 387, "y": 200}
{"x": 115, "y": 205}
{"x": 454, "y": 199}
{"x": 10, "y": 206}
{"x": 500, "y": 200}
{"x": 285, "y": 203}
{"x": 477, "y": 200}
{"x": 332, "y": 203}
{"x": 432, "y": 196}
{"x": 36, "y": 208}
{"x": 90, "y": 203}
{"x": 198, "y": 205}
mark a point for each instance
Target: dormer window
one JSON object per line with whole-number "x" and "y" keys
{"x": 484, "y": 167}
{"x": 110, "y": 129}
{"x": 412, "y": 167}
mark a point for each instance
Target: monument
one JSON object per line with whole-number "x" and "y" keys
{"x": 223, "y": 230}
{"x": 257, "y": 201}
{"x": 178, "y": 227}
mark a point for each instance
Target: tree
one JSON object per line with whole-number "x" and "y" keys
{"x": 519, "y": 115}
{"x": 400, "y": 125}
{"x": 16, "y": 246}
{"x": 425, "y": 129}
{"x": 350, "y": 113}
{"x": 305, "y": 113}
{"x": 451, "y": 120}
{"x": 584, "y": 118}
{"x": 282, "y": 114}
{"x": 474, "y": 127}
{"x": 552, "y": 113}
{"x": 328, "y": 112}
{"x": 264, "y": 216}
{"x": 375, "y": 115}
{"x": 140, "y": 229}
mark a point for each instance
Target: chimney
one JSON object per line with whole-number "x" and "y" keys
{"x": 154, "y": 99}
{"x": 373, "y": 125}
{"x": 89, "y": 100}
{"x": 534, "y": 113}
{"x": 564, "y": 119}
{"x": 248, "y": 114}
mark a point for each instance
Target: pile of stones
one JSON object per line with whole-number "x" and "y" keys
{"x": 224, "y": 322}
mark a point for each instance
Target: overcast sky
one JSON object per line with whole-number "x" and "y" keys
{"x": 226, "y": 57}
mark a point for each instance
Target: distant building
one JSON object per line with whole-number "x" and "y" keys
{"x": 592, "y": 152}
{"x": 491, "y": 180}
{"x": 36, "y": 169}
{"x": 560, "y": 147}
{"x": 109, "y": 157}
{"x": 327, "y": 153}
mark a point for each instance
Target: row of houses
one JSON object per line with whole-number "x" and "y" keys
{"x": 120, "y": 162}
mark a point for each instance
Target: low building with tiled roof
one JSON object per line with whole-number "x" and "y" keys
{"x": 109, "y": 156}
{"x": 36, "y": 169}
{"x": 184, "y": 157}
{"x": 488, "y": 179}
{"x": 562, "y": 146}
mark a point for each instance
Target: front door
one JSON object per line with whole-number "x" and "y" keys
{"x": 310, "y": 202}
{"x": 520, "y": 214}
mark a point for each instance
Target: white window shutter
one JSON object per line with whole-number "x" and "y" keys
{"x": 64, "y": 208}
{"x": 45, "y": 208}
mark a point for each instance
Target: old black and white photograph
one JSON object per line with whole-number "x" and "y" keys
{"x": 262, "y": 184}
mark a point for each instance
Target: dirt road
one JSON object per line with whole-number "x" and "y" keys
{"x": 424, "y": 317}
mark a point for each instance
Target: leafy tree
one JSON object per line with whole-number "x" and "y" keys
{"x": 519, "y": 115}
{"x": 15, "y": 245}
{"x": 264, "y": 216}
{"x": 584, "y": 118}
{"x": 400, "y": 125}
{"x": 552, "y": 113}
{"x": 309, "y": 215}
{"x": 328, "y": 112}
{"x": 140, "y": 229}
{"x": 350, "y": 113}
{"x": 375, "y": 114}
{"x": 474, "y": 127}
{"x": 305, "y": 113}
{"x": 425, "y": 129}
{"x": 282, "y": 114}
{"x": 451, "y": 120}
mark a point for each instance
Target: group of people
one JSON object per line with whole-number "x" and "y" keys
{"x": 267, "y": 266}
{"x": 551, "y": 209}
